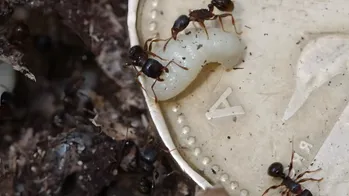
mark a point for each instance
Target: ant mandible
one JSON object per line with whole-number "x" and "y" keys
{"x": 292, "y": 185}
{"x": 149, "y": 66}
{"x": 200, "y": 16}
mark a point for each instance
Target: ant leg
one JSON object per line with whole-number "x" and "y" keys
{"x": 220, "y": 21}
{"x": 152, "y": 88}
{"x": 232, "y": 21}
{"x": 309, "y": 179}
{"x": 165, "y": 45}
{"x": 138, "y": 74}
{"x": 306, "y": 172}
{"x": 210, "y": 7}
{"x": 285, "y": 192}
{"x": 272, "y": 187}
{"x": 146, "y": 44}
{"x": 291, "y": 164}
{"x": 202, "y": 24}
{"x": 155, "y": 55}
{"x": 152, "y": 40}
{"x": 140, "y": 84}
{"x": 172, "y": 61}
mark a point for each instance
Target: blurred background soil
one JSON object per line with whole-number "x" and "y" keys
{"x": 82, "y": 128}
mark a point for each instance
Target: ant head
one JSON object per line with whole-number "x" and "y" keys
{"x": 135, "y": 51}
{"x": 149, "y": 154}
{"x": 179, "y": 25}
{"x": 19, "y": 33}
{"x": 144, "y": 185}
{"x": 223, "y": 5}
{"x": 276, "y": 170}
{"x": 306, "y": 192}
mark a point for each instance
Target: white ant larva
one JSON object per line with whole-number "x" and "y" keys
{"x": 193, "y": 50}
{"x": 7, "y": 79}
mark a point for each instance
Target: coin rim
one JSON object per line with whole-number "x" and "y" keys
{"x": 154, "y": 108}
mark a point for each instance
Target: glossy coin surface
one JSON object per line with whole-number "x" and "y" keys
{"x": 292, "y": 93}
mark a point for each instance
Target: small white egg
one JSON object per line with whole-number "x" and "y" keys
{"x": 193, "y": 50}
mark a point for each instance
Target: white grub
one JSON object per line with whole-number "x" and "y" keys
{"x": 321, "y": 59}
{"x": 215, "y": 191}
{"x": 193, "y": 50}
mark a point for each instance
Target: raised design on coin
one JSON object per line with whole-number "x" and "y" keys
{"x": 191, "y": 140}
{"x": 321, "y": 59}
{"x": 180, "y": 118}
{"x": 305, "y": 146}
{"x": 234, "y": 185}
{"x": 298, "y": 158}
{"x": 155, "y": 3}
{"x": 176, "y": 108}
{"x": 215, "y": 169}
{"x": 214, "y": 112}
{"x": 152, "y": 26}
{"x": 197, "y": 151}
{"x": 224, "y": 177}
{"x": 206, "y": 160}
{"x": 185, "y": 130}
{"x": 244, "y": 192}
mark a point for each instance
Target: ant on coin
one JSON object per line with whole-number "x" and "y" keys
{"x": 200, "y": 15}
{"x": 292, "y": 185}
{"x": 149, "y": 66}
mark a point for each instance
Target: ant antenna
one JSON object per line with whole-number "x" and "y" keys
{"x": 291, "y": 163}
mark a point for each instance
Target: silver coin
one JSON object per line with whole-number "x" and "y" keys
{"x": 284, "y": 103}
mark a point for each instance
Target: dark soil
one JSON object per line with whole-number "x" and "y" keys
{"x": 82, "y": 128}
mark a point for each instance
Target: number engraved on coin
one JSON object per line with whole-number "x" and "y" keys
{"x": 228, "y": 110}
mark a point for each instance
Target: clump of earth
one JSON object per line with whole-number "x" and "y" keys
{"x": 76, "y": 122}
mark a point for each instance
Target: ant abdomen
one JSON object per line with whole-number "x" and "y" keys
{"x": 153, "y": 69}
{"x": 306, "y": 192}
{"x": 276, "y": 170}
{"x": 179, "y": 25}
{"x": 223, "y": 5}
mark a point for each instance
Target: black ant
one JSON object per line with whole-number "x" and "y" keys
{"x": 200, "y": 16}
{"x": 149, "y": 66}
{"x": 18, "y": 33}
{"x": 292, "y": 185}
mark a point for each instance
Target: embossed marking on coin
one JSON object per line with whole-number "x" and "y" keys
{"x": 227, "y": 111}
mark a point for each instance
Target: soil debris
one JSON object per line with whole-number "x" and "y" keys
{"x": 81, "y": 126}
